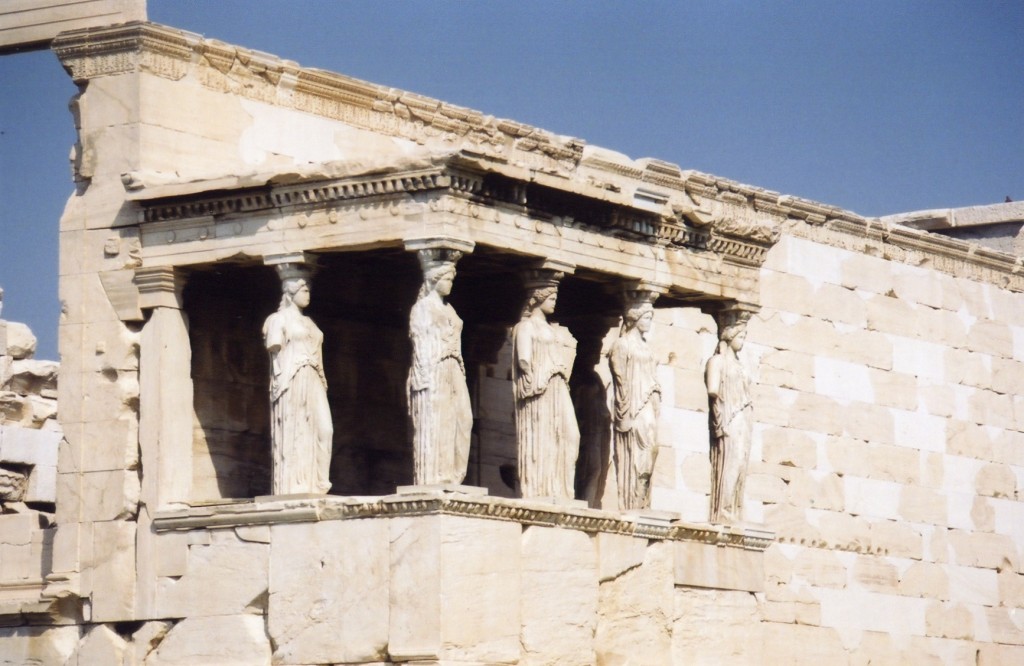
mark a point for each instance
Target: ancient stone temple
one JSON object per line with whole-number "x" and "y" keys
{"x": 353, "y": 376}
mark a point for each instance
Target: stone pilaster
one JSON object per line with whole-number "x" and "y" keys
{"x": 165, "y": 395}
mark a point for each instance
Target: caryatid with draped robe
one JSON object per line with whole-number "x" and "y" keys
{"x": 637, "y": 402}
{"x": 731, "y": 420}
{"x": 301, "y": 431}
{"x": 440, "y": 411}
{"x": 547, "y": 434}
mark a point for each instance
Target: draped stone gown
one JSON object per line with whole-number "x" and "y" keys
{"x": 732, "y": 430}
{"x": 637, "y": 404}
{"x": 439, "y": 403}
{"x": 300, "y": 422}
{"x": 547, "y": 434}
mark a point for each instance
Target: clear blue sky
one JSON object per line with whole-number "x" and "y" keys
{"x": 875, "y": 106}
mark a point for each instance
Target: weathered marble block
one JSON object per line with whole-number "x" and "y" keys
{"x": 712, "y": 566}
{"x": 225, "y": 640}
{"x": 635, "y": 611}
{"x": 559, "y": 596}
{"x": 225, "y": 577}
{"x": 329, "y": 598}
{"x": 455, "y": 589}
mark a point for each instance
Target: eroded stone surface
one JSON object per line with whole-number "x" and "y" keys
{"x": 224, "y": 577}
{"x": 225, "y": 640}
{"x": 329, "y": 597}
{"x": 461, "y": 582}
{"x": 39, "y": 645}
{"x": 559, "y": 597}
{"x": 636, "y": 611}
{"x": 715, "y": 627}
{"x": 20, "y": 341}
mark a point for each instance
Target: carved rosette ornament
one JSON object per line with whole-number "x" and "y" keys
{"x": 440, "y": 412}
{"x": 637, "y": 400}
{"x": 547, "y": 434}
{"x": 731, "y": 420}
{"x": 301, "y": 431}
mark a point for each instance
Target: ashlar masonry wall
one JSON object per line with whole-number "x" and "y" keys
{"x": 888, "y": 460}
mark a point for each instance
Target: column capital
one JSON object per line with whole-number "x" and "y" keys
{"x": 554, "y": 265}
{"x": 290, "y": 265}
{"x": 733, "y": 313}
{"x": 546, "y": 273}
{"x": 440, "y": 242}
{"x": 300, "y": 257}
{"x": 645, "y": 287}
{"x": 638, "y": 299}
{"x": 159, "y": 287}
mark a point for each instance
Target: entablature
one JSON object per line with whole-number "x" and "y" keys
{"x": 511, "y": 209}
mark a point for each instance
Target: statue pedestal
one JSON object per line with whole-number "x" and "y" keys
{"x": 287, "y": 497}
{"x": 559, "y": 501}
{"x": 651, "y": 517}
{"x": 444, "y": 488}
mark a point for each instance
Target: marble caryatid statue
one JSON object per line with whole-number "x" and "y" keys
{"x": 731, "y": 419}
{"x": 300, "y": 417}
{"x": 637, "y": 402}
{"x": 439, "y": 405}
{"x": 547, "y": 434}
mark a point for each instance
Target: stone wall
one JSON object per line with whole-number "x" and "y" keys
{"x": 889, "y": 459}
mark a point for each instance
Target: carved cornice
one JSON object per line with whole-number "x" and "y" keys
{"x": 270, "y": 511}
{"x": 300, "y": 195}
{"x": 736, "y": 235}
{"x": 740, "y": 239}
{"x": 132, "y": 47}
{"x": 741, "y": 233}
{"x": 773, "y": 214}
{"x": 170, "y": 53}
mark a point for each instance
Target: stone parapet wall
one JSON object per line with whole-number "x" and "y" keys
{"x": 424, "y": 576}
